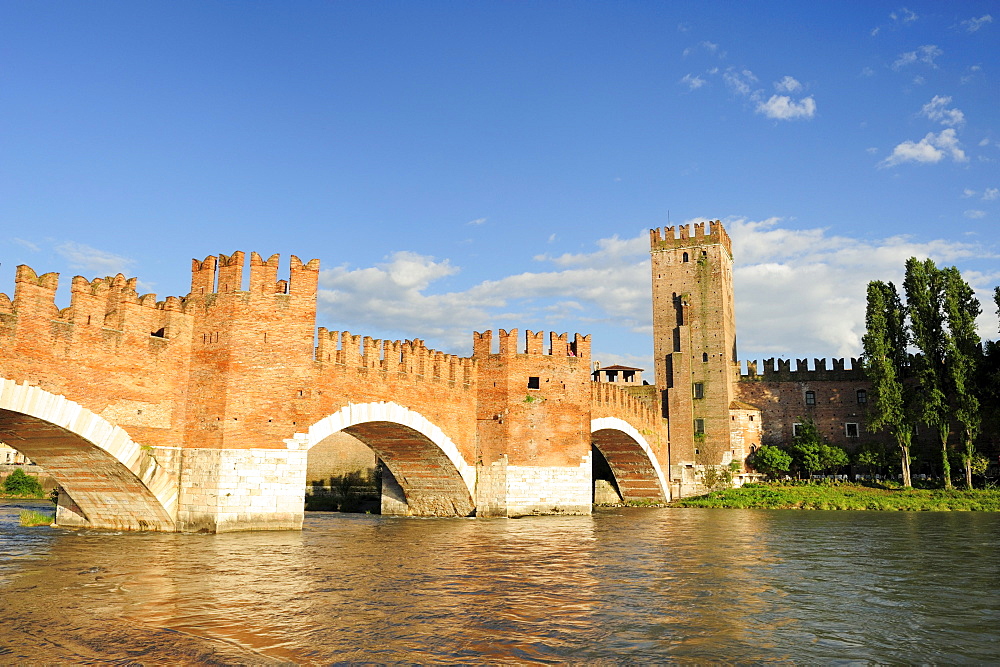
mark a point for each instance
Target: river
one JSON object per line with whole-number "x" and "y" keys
{"x": 623, "y": 585}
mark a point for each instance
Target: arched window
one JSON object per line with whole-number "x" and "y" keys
{"x": 704, "y": 356}
{"x": 685, "y": 257}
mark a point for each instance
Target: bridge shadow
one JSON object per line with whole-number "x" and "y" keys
{"x": 107, "y": 480}
{"x": 424, "y": 473}
{"x": 624, "y": 459}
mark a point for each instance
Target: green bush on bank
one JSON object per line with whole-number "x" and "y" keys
{"x": 18, "y": 484}
{"x": 843, "y": 496}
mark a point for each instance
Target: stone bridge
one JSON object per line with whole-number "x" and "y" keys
{"x": 198, "y": 412}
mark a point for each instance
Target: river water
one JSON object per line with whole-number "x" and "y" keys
{"x": 625, "y": 585}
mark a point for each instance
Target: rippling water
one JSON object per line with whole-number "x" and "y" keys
{"x": 629, "y": 585}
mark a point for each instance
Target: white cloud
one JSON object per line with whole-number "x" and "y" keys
{"x": 875, "y": 31}
{"x": 973, "y": 25}
{"x": 903, "y": 15}
{"x": 95, "y": 262}
{"x": 973, "y": 214}
{"x": 984, "y": 141}
{"x": 931, "y": 149}
{"x": 26, "y": 244}
{"x": 799, "y": 292}
{"x": 782, "y": 107}
{"x": 925, "y": 54}
{"x": 967, "y": 192}
{"x": 741, "y": 81}
{"x": 867, "y": 71}
{"x": 936, "y": 111}
{"x": 991, "y": 194}
{"x": 787, "y": 85}
{"x": 693, "y": 82}
{"x": 476, "y": 222}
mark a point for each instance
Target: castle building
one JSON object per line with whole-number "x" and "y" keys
{"x": 717, "y": 411}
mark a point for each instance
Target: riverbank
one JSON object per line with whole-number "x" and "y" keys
{"x": 777, "y": 495}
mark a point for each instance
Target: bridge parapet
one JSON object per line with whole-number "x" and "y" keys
{"x": 607, "y": 400}
{"x": 410, "y": 357}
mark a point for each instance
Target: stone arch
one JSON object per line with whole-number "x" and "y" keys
{"x": 632, "y": 460}
{"x": 112, "y": 482}
{"x": 434, "y": 476}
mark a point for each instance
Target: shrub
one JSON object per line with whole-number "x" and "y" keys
{"x": 20, "y": 484}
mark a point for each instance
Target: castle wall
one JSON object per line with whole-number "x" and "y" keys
{"x": 781, "y": 395}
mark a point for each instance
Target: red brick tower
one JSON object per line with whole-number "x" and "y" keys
{"x": 694, "y": 339}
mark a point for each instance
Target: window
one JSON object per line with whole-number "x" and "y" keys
{"x": 699, "y": 427}
{"x": 534, "y": 383}
{"x": 685, "y": 257}
{"x": 796, "y": 429}
{"x": 851, "y": 430}
{"x": 699, "y": 390}
{"x": 862, "y": 396}
{"x": 810, "y": 398}
{"x": 704, "y": 356}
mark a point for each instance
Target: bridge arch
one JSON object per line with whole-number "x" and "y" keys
{"x": 112, "y": 481}
{"x": 632, "y": 460}
{"x": 435, "y": 478}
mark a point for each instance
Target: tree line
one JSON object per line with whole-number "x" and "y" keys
{"x": 927, "y": 367}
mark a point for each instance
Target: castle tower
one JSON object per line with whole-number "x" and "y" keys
{"x": 694, "y": 339}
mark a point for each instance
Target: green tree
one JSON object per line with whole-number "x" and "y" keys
{"x": 961, "y": 361}
{"x": 770, "y": 461}
{"x": 20, "y": 484}
{"x": 805, "y": 449}
{"x": 925, "y": 298}
{"x": 885, "y": 363}
{"x": 870, "y": 456}
{"x": 832, "y": 457}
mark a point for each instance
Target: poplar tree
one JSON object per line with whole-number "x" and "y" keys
{"x": 885, "y": 363}
{"x": 924, "y": 285}
{"x": 961, "y": 359}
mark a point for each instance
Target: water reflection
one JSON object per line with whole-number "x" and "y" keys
{"x": 639, "y": 585}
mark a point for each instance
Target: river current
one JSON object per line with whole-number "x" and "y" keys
{"x": 623, "y": 585}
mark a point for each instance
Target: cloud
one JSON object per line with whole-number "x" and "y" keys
{"x": 781, "y": 107}
{"x": 973, "y": 25}
{"x": 740, "y": 81}
{"x": 973, "y": 214}
{"x": 787, "y": 85}
{"x": 476, "y": 222}
{"x": 95, "y": 262}
{"x": 875, "y": 31}
{"x": 867, "y": 71}
{"x": 931, "y": 149}
{"x": 799, "y": 292}
{"x": 936, "y": 111}
{"x": 925, "y": 54}
{"x": 991, "y": 194}
{"x": 903, "y": 15}
{"x": 26, "y": 244}
{"x": 967, "y": 192}
{"x": 693, "y": 82}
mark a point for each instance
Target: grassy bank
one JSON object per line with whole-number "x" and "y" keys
{"x": 846, "y": 497}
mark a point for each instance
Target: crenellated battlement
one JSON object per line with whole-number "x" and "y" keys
{"x": 780, "y": 370}
{"x": 534, "y": 344}
{"x": 409, "y": 357}
{"x": 683, "y": 236}
{"x": 623, "y": 401}
{"x": 224, "y": 274}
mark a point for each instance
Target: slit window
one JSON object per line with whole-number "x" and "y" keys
{"x": 810, "y": 398}
{"x": 534, "y": 383}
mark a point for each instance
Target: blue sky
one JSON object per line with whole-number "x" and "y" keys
{"x": 458, "y": 166}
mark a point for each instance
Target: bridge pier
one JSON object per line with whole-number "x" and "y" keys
{"x": 506, "y": 490}
{"x": 226, "y": 490}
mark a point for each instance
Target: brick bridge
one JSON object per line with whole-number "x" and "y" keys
{"x": 198, "y": 412}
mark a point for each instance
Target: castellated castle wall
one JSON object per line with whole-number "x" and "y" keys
{"x": 236, "y": 363}
{"x": 834, "y": 395}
